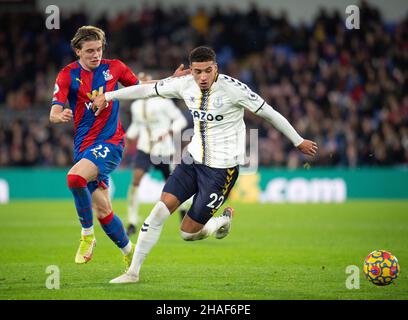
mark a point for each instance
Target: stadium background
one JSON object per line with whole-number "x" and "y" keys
{"x": 345, "y": 89}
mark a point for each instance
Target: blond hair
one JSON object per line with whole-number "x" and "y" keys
{"x": 87, "y": 33}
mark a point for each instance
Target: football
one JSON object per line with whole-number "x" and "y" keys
{"x": 381, "y": 267}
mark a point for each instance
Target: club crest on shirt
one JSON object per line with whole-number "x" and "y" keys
{"x": 218, "y": 102}
{"x": 107, "y": 76}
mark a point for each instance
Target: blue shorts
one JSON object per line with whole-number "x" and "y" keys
{"x": 144, "y": 162}
{"x": 211, "y": 187}
{"x": 106, "y": 156}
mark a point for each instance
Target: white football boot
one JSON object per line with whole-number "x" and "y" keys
{"x": 126, "y": 278}
{"x": 224, "y": 230}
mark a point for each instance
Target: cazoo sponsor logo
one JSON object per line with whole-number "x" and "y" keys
{"x": 205, "y": 116}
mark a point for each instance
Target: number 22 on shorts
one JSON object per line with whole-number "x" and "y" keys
{"x": 214, "y": 198}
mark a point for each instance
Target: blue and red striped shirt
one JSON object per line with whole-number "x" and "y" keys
{"x": 80, "y": 87}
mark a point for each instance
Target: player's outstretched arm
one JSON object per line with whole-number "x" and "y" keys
{"x": 307, "y": 147}
{"x": 60, "y": 115}
{"x": 141, "y": 91}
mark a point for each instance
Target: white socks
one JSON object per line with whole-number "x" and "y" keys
{"x": 148, "y": 235}
{"x": 209, "y": 229}
{"x": 87, "y": 231}
{"x": 133, "y": 204}
{"x": 126, "y": 249}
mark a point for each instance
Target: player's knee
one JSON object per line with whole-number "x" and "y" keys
{"x": 102, "y": 211}
{"x": 76, "y": 181}
{"x": 170, "y": 201}
{"x": 187, "y": 236}
{"x": 103, "y": 207}
{"x": 102, "y": 214}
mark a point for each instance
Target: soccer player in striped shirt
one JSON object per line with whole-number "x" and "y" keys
{"x": 217, "y": 103}
{"x": 98, "y": 141}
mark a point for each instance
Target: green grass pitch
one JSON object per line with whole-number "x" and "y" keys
{"x": 285, "y": 251}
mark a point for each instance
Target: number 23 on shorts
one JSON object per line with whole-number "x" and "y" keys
{"x": 95, "y": 151}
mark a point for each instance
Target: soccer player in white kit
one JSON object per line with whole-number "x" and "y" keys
{"x": 154, "y": 122}
{"x": 217, "y": 103}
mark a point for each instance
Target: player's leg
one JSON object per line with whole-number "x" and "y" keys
{"x": 141, "y": 166}
{"x": 77, "y": 179}
{"x": 214, "y": 186}
{"x": 180, "y": 186}
{"x": 111, "y": 223}
{"x": 184, "y": 207}
{"x": 107, "y": 157}
{"x": 166, "y": 170}
{"x": 133, "y": 201}
{"x": 220, "y": 226}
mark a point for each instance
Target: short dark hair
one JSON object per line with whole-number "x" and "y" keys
{"x": 202, "y": 54}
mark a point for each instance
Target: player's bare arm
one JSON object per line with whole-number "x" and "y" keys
{"x": 60, "y": 115}
{"x": 305, "y": 146}
{"x": 129, "y": 93}
{"x": 100, "y": 102}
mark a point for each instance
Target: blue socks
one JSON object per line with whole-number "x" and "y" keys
{"x": 111, "y": 224}
{"x": 113, "y": 227}
{"x": 83, "y": 199}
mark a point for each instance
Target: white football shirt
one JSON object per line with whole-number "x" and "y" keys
{"x": 218, "y": 114}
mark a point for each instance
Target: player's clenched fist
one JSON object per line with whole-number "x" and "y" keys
{"x": 65, "y": 115}
{"x": 308, "y": 147}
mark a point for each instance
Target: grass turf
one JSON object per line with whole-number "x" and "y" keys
{"x": 285, "y": 251}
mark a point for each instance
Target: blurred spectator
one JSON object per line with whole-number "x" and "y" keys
{"x": 34, "y": 143}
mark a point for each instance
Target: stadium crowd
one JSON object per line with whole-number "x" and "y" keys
{"x": 345, "y": 89}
